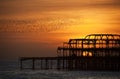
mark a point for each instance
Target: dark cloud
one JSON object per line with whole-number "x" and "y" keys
{"x": 14, "y": 7}
{"x": 46, "y": 24}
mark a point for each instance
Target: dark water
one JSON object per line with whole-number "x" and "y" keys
{"x": 10, "y": 70}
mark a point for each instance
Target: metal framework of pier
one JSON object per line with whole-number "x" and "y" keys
{"x": 94, "y": 52}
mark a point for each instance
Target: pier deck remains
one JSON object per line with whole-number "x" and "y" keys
{"x": 94, "y": 52}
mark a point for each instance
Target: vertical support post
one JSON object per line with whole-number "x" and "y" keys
{"x": 63, "y": 62}
{"x": 46, "y": 64}
{"x": 33, "y": 63}
{"x": 21, "y": 64}
{"x": 51, "y": 64}
{"x": 58, "y": 63}
{"x": 41, "y": 64}
{"x": 82, "y": 49}
{"x": 67, "y": 63}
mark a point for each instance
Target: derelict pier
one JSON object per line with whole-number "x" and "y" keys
{"x": 94, "y": 52}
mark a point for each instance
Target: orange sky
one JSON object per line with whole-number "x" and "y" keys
{"x": 29, "y": 27}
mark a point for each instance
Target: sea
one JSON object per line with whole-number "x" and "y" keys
{"x": 11, "y": 70}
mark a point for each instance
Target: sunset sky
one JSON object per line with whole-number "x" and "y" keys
{"x": 37, "y": 27}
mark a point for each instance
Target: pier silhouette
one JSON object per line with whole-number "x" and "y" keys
{"x": 99, "y": 52}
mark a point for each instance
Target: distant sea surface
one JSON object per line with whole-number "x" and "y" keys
{"x": 10, "y": 70}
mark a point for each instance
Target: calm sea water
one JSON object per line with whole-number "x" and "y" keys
{"x": 10, "y": 70}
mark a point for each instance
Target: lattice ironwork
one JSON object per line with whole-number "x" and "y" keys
{"x": 92, "y": 45}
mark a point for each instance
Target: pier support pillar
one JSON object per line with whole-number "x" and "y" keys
{"x": 46, "y": 64}
{"x": 21, "y": 65}
{"x": 33, "y": 64}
